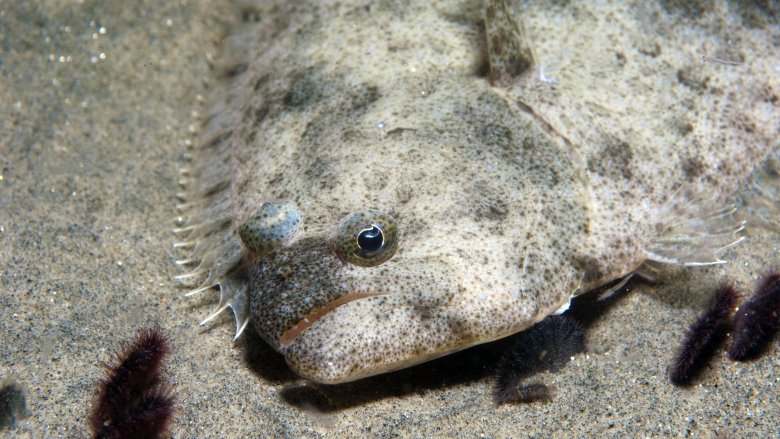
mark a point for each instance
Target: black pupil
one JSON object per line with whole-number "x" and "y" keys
{"x": 370, "y": 240}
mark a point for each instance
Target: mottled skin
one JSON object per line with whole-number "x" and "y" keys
{"x": 508, "y": 197}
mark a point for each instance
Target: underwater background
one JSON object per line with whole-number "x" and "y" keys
{"x": 100, "y": 105}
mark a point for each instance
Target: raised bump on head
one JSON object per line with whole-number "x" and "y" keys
{"x": 273, "y": 225}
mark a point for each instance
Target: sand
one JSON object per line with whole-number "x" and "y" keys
{"x": 98, "y": 102}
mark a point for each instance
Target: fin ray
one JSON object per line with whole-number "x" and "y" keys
{"x": 205, "y": 230}
{"x": 696, "y": 230}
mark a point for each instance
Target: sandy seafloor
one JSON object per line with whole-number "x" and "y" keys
{"x": 97, "y": 102}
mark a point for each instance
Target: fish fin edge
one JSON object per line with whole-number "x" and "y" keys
{"x": 695, "y": 230}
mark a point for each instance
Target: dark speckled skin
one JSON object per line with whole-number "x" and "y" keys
{"x": 489, "y": 189}
{"x": 507, "y": 200}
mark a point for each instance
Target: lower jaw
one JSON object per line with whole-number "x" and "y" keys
{"x": 289, "y": 336}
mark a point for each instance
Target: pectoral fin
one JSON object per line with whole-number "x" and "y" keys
{"x": 696, "y": 230}
{"x": 509, "y": 51}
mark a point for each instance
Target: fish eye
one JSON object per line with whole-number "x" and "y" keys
{"x": 371, "y": 239}
{"x": 366, "y": 238}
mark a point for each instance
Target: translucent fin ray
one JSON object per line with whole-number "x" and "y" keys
{"x": 761, "y": 198}
{"x": 214, "y": 313}
{"x": 232, "y": 294}
{"x": 695, "y": 230}
{"x": 200, "y": 289}
{"x": 209, "y": 248}
{"x": 609, "y": 292}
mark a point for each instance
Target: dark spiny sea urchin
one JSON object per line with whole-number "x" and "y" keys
{"x": 133, "y": 400}
{"x": 548, "y": 345}
{"x": 703, "y": 334}
{"x": 757, "y": 319}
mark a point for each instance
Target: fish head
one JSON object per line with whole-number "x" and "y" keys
{"x": 456, "y": 229}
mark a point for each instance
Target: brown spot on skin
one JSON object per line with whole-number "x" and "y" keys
{"x": 234, "y": 70}
{"x": 487, "y": 204}
{"x": 261, "y": 82}
{"x": 495, "y": 135}
{"x": 692, "y": 167}
{"x": 620, "y": 57}
{"x": 304, "y": 89}
{"x": 694, "y": 77}
{"x": 261, "y": 113}
{"x": 613, "y": 160}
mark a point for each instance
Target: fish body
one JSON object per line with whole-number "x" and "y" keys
{"x": 381, "y": 184}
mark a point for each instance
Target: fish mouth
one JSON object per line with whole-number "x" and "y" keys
{"x": 289, "y": 336}
{"x": 369, "y": 334}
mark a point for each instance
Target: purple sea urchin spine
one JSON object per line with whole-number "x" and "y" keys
{"x": 13, "y": 404}
{"x": 548, "y": 345}
{"x": 703, "y": 333}
{"x": 133, "y": 400}
{"x": 757, "y": 319}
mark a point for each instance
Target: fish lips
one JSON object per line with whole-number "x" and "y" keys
{"x": 336, "y": 323}
{"x": 368, "y": 336}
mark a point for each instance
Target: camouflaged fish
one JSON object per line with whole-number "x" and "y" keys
{"x": 379, "y": 184}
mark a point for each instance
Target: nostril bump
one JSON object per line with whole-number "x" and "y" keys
{"x": 272, "y": 226}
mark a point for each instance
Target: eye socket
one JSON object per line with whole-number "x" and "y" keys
{"x": 366, "y": 238}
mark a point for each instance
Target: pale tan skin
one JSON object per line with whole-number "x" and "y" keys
{"x": 511, "y": 191}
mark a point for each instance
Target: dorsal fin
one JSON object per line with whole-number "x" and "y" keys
{"x": 509, "y": 51}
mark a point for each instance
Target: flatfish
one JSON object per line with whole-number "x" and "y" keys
{"x": 377, "y": 184}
